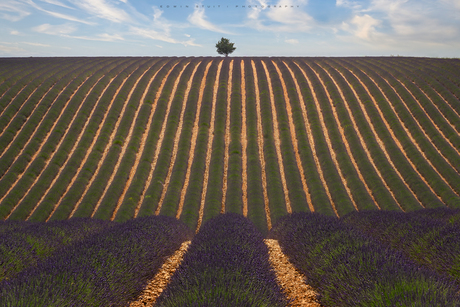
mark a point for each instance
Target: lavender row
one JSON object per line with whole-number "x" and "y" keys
{"x": 110, "y": 268}
{"x": 429, "y": 237}
{"x": 225, "y": 265}
{"x": 24, "y": 244}
{"x": 349, "y": 268}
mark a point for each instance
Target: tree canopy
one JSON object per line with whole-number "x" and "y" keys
{"x": 224, "y": 46}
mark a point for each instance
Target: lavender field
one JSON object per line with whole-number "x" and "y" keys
{"x": 108, "y": 165}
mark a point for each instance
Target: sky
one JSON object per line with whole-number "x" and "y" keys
{"x": 423, "y": 28}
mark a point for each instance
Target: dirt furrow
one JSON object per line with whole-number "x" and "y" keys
{"x": 227, "y": 135}
{"x": 291, "y": 281}
{"x": 88, "y": 152}
{"x": 37, "y": 178}
{"x": 398, "y": 143}
{"x": 142, "y": 143}
{"x": 342, "y": 132}
{"x": 162, "y": 134}
{"x": 429, "y": 118}
{"x": 12, "y": 99}
{"x": 452, "y": 125}
{"x": 446, "y": 102}
{"x": 41, "y": 145}
{"x": 191, "y": 154}
{"x": 310, "y": 136}
{"x": 260, "y": 141}
{"x": 72, "y": 150}
{"x": 328, "y": 140}
{"x": 409, "y": 134}
{"x": 126, "y": 141}
{"x": 294, "y": 139}
{"x": 244, "y": 143}
{"x": 25, "y": 122}
{"x": 276, "y": 137}
{"x": 158, "y": 284}
{"x": 32, "y": 137}
{"x": 22, "y": 106}
{"x": 209, "y": 149}
{"x": 360, "y": 137}
{"x": 177, "y": 138}
{"x": 379, "y": 141}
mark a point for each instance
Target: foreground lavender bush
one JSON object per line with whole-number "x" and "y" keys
{"x": 429, "y": 237}
{"x": 24, "y": 244}
{"x": 109, "y": 269}
{"x": 226, "y": 265}
{"x": 349, "y": 268}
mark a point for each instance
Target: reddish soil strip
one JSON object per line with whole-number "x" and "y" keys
{"x": 99, "y": 164}
{"x": 22, "y": 106}
{"x": 294, "y": 139}
{"x": 379, "y": 141}
{"x": 276, "y": 136}
{"x": 244, "y": 142}
{"x": 126, "y": 141}
{"x": 361, "y": 139}
{"x": 437, "y": 108}
{"x": 421, "y": 107}
{"x": 35, "y": 131}
{"x": 157, "y": 285}
{"x": 292, "y": 282}
{"x": 260, "y": 141}
{"x": 401, "y": 148}
{"x": 85, "y": 158}
{"x": 41, "y": 145}
{"x": 72, "y": 150}
{"x": 415, "y": 142}
{"x": 12, "y": 99}
{"x": 55, "y": 150}
{"x": 192, "y": 144}
{"x": 209, "y": 149}
{"x": 310, "y": 136}
{"x": 326, "y": 136}
{"x": 227, "y": 134}
{"x": 143, "y": 140}
{"x": 342, "y": 132}
{"x": 25, "y": 122}
{"x": 177, "y": 138}
{"x": 445, "y": 101}
{"x": 162, "y": 133}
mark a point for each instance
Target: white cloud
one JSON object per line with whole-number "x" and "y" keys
{"x": 198, "y": 18}
{"x": 64, "y": 29}
{"x": 165, "y": 37}
{"x": 36, "y": 44}
{"x": 13, "y": 10}
{"x": 362, "y": 27}
{"x": 292, "y": 41}
{"x": 102, "y": 9}
{"x": 58, "y": 3}
{"x": 59, "y": 15}
{"x": 288, "y": 18}
{"x": 15, "y": 32}
{"x": 350, "y": 4}
{"x": 10, "y": 49}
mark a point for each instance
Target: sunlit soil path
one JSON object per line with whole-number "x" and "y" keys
{"x": 192, "y": 144}
{"x": 158, "y": 284}
{"x": 260, "y": 141}
{"x": 310, "y": 138}
{"x": 292, "y": 282}
{"x": 209, "y": 148}
{"x": 176, "y": 139}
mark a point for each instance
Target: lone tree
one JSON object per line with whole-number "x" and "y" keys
{"x": 225, "y": 47}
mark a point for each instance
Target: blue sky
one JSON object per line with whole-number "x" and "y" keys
{"x": 257, "y": 27}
